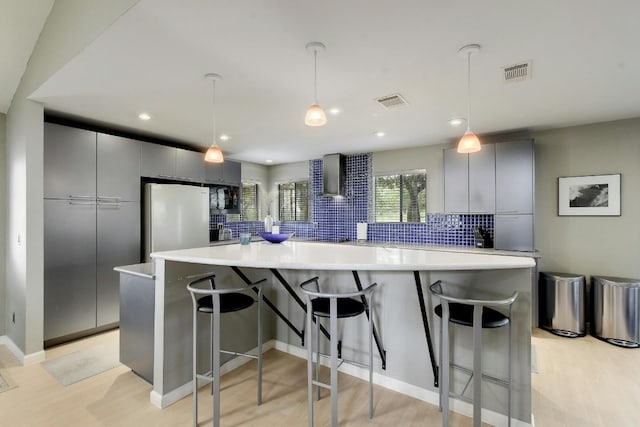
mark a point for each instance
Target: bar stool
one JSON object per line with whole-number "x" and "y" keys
{"x": 479, "y": 315}
{"x": 334, "y": 306}
{"x": 213, "y": 302}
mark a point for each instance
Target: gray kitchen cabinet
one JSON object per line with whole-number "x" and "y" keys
{"x": 190, "y": 165}
{"x": 469, "y": 181}
{"x": 88, "y": 229}
{"x": 69, "y": 162}
{"x": 232, "y": 172}
{"x": 118, "y": 243}
{"x": 482, "y": 180}
{"x": 118, "y": 169}
{"x": 228, "y": 172}
{"x": 514, "y": 232}
{"x": 69, "y": 267}
{"x": 456, "y": 181}
{"x": 157, "y": 160}
{"x": 137, "y": 309}
{"x": 515, "y": 177}
{"x": 213, "y": 172}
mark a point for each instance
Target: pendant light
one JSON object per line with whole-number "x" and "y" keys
{"x": 315, "y": 114}
{"x": 214, "y": 153}
{"x": 469, "y": 143}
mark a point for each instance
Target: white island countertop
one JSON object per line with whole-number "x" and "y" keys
{"x": 323, "y": 256}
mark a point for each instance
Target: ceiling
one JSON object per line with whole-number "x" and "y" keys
{"x": 585, "y": 69}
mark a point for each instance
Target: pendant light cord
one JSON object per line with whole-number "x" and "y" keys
{"x": 315, "y": 76}
{"x": 469, "y": 91}
{"x": 214, "y": 112}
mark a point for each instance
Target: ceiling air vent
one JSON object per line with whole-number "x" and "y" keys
{"x": 391, "y": 102}
{"x": 517, "y": 72}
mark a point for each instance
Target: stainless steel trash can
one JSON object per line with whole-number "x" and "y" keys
{"x": 561, "y": 303}
{"x": 616, "y": 310}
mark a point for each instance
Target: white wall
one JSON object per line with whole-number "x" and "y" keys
{"x": 3, "y": 208}
{"x": 71, "y": 25}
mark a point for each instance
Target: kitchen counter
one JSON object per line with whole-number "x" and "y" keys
{"x": 313, "y": 255}
{"x": 399, "y": 271}
{"x": 144, "y": 270}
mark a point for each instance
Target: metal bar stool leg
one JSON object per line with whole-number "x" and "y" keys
{"x": 477, "y": 365}
{"x": 370, "y": 319}
{"x": 444, "y": 390}
{"x": 216, "y": 360}
{"x": 260, "y": 346}
{"x": 309, "y": 365}
{"x": 333, "y": 328}
{"x": 194, "y": 368}
{"x": 318, "y": 388}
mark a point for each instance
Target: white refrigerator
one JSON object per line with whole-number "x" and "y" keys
{"x": 176, "y": 217}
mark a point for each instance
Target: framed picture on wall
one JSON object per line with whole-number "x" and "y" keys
{"x": 592, "y": 195}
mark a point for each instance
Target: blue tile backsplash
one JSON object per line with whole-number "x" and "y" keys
{"x": 335, "y": 219}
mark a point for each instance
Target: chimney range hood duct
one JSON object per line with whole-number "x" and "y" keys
{"x": 333, "y": 175}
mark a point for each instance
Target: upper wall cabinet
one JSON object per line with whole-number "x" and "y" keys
{"x": 469, "y": 181}
{"x": 482, "y": 180}
{"x": 456, "y": 181}
{"x": 189, "y": 165}
{"x": 69, "y": 162}
{"x": 118, "y": 168}
{"x": 157, "y": 160}
{"x": 228, "y": 172}
{"x": 514, "y": 177}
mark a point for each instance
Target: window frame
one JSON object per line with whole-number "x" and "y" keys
{"x": 295, "y": 181}
{"x": 374, "y": 212}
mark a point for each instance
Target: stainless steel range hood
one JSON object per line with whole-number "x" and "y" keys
{"x": 333, "y": 175}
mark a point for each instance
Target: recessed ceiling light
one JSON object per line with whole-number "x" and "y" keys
{"x": 268, "y": 161}
{"x": 144, "y": 116}
{"x": 456, "y": 121}
{"x": 380, "y": 134}
{"x": 334, "y": 111}
{"x": 224, "y": 137}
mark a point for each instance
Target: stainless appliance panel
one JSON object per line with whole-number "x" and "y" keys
{"x": 69, "y": 267}
{"x": 118, "y": 229}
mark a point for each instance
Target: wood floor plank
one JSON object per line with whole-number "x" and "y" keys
{"x": 582, "y": 382}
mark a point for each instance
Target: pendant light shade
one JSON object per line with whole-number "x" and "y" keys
{"x": 214, "y": 153}
{"x": 315, "y": 114}
{"x": 469, "y": 143}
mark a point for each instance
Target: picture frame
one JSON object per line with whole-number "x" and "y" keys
{"x": 590, "y": 195}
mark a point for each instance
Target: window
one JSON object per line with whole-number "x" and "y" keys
{"x": 249, "y": 204}
{"x": 401, "y": 197}
{"x": 293, "y": 200}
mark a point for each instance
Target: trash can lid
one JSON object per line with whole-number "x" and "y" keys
{"x": 563, "y": 275}
{"x": 617, "y": 281}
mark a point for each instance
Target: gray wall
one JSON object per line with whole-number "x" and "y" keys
{"x": 589, "y": 245}
{"x": 3, "y": 208}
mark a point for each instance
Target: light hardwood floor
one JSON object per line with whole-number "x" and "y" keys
{"x": 582, "y": 382}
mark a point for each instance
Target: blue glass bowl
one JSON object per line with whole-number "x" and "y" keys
{"x": 275, "y": 238}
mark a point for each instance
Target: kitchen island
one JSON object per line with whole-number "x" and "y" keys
{"x": 398, "y": 315}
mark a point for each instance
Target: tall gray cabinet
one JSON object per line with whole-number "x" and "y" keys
{"x": 91, "y": 224}
{"x": 514, "y": 220}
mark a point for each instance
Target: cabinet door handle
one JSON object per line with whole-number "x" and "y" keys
{"x": 113, "y": 199}
{"x": 76, "y": 197}
{"x": 82, "y": 202}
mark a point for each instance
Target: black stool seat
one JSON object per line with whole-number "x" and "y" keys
{"x": 347, "y": 307}
{"x": 462, "y": 314}
{"x": 228, "y": 303}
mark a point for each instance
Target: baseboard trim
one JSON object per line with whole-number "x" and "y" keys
{"x": 164, "y": 400}
{"x": 24, "y": 360}
{"x": 429, "y": 396}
